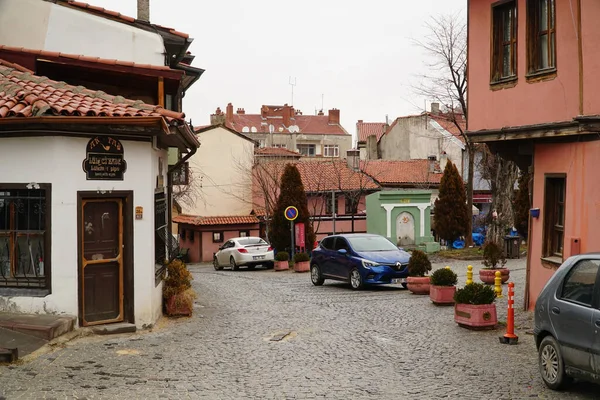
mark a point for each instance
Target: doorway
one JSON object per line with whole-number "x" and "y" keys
{"x": 105, "y": 259}
{"x": 405, "y": 229}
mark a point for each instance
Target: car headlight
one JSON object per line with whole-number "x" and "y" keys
{"x": 368, "y": 264}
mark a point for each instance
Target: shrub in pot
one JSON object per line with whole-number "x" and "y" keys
{"x": 301, "y": 262}
{"x": 177, "y": 289}
{"x": 418, "y": 266}
{"x": 493, "y": 260}
{"x": 282, "y": 259}
{"x": 442, "y": 286}
{"x": 474, "y": 306}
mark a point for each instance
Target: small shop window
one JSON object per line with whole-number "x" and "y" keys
{"x": 244, "y": 233}
{"x": 24, "y": 236}
{"x": 217, "y": 237}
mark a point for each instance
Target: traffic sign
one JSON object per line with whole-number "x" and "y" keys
{"x": 291, "y": 213}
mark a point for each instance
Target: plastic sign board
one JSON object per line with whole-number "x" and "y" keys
{"x": 291, "y": 213}
{"x": 300, "y": 236}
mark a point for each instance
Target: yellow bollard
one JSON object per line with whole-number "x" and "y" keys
{"x": 498, "y": 283}
{"x": 469, "y": 274}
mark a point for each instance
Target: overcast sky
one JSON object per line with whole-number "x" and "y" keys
{"x": 356, "y": 56}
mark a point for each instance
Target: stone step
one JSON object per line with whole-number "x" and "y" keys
{"x": 45, "y": 327}
{"x": 113, "y": 329}
{"x": 15, "y": 344}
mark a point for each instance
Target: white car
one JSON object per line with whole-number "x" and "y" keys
{"x": 244, "y": 251}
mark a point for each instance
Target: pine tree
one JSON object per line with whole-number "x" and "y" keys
{"x": 521, "y": 205}
{"x": 451, "y": 211}
{"x": 291, "y": 193}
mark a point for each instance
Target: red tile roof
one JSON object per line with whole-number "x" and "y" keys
{"x": 318, "y": 176}
{"x": 23, "y": 94}
{"x": 219, "y": 220}
{"x": 400, "y": 172}
{"x": 366, "y": 129}
{"x": 118, "y": 15}
{"x": 55, "y": 54}
{"x": 307, "y": 124}
{"x": 276, "y": 152}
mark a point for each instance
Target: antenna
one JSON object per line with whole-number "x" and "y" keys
{"x": 322, "y": 97}
{"x": 292, "y": 84}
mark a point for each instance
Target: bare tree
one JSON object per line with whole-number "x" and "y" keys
{"x": 189, "y": 194}
{"x": 446, "y": 44}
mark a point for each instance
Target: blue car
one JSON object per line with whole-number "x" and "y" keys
{"x": 360, "y": 259}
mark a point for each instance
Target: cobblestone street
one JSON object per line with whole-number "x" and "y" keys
{"x": 381, "y": 343}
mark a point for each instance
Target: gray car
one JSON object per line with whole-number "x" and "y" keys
{"x": 567, "y": 323}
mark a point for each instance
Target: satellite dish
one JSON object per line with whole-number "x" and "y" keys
{"x": 254, "y": 130}
{"x": 271, "y": 128}
{"x": 245, "y": 129}
{"x": 294, "y": 129}
{"x": 281, "y": 129}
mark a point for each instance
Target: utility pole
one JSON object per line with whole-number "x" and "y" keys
{"x": 333, "y": 208}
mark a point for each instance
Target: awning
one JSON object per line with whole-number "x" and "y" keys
{"x": 482, "y": 198}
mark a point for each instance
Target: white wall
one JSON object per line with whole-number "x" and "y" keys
{"x": 223, "y": 163}
{"x": 48, "y": 26}
{"x": 58, "y": 160}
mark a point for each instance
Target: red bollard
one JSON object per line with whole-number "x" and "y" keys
{"x": 510, "y": 337}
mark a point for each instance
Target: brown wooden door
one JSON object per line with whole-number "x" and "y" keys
{"x": 102, "y": 261}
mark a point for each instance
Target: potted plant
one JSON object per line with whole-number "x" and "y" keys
{"x": 418, "y": 266}
{"x": 177, "y": 289}
{"x": 282, "y": 259}
{"x": 474, "y": 306}
{"x": 442, "y": 286}
{"x": 493, "y": 260}
{"x": 301, "y": 262}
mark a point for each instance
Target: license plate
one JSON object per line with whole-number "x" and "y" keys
{"x": 258, "y": 257}
{"x": 398, "y": 280}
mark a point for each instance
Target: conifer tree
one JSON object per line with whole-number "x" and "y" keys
{"x": 451, "y": 216}
{"x": 291, "y": 193}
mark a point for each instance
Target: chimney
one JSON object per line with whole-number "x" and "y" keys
{"x": 334, "y": 116}
{"x": 372, "y": 151}
{"x": 218, "y": 117}
{"x": 287, "y": 115}
{"x": 143, "y": 10}
{"x": 432, "y": 160}
{"x": 353, "y": 159}
{"x": 435, "y": 108}
{"x": 229, "y": 113}
{"x": 263, "y": 112}
{"x": 443, "y": 161}
{"x": 320, "y": 112}
{"x": 241, "y": 111}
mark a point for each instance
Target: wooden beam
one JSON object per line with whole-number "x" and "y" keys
{"x": 161, "y": 91}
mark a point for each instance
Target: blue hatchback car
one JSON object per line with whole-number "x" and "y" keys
{"x": 360, "y": 259}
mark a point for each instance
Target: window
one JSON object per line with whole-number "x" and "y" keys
{"x": 578, "y": 286}
{"x": 192, "y": 234}
{"x": 340, "y": 243}
{"x": 261, "y": 143}
{"x": 24, "y": 237}
{"x": 160, "y": 228}
{"x": 181, "y": 176}
{"x": 504, "y": 41}
{"x": 351, "y": 203}
{"x": 554, "y": 216}
{"x": 280, "y": 146}
{"x": 217, "y": 237}
{"x": 244, "y": 233}
{"x": 182, "y": 233}
{"x": 327, "y": 243}
{"x": 541, "y": 36}
{"x": 331, "y": 150}
{"x": 307, "y": 150}
{"x": 328, "y": 204}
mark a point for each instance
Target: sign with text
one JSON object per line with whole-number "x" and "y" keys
{"x": 104, "y": 159}
{"x": 300, "y": 236}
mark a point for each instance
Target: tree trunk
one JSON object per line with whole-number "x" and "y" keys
{"x": 470, "y": 174}
{"x": 503, "y": 178}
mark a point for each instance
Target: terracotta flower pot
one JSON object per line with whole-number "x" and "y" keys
{"x": 442, "y": 295}
{"x": 178, "y": 305}
{"x": 418, "y": 284}
{"x": 302, "y": 266}
{"x": 471, "y": 316}
{"x": 487, "y": 275}
{"x": 282, "y": 265}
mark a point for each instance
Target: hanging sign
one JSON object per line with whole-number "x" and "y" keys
{"x": 104, "y": 159}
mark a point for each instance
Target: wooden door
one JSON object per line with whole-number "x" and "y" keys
{"x": 102, "y": 261}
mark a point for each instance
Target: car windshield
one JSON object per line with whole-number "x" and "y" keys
{"x": 252, "y": 242}
{"x": 371, "y": 243}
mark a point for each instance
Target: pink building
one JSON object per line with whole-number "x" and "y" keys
{"x": 533, "y": 71}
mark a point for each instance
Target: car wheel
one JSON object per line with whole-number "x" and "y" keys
{"x": 356, "y": 280}
{"x": 551, "y": 363}
{"x": 315, "y": 275}
{"x": 215, "y": 264}
{"x": 234, "y": 266}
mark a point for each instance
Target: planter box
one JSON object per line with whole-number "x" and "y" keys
{"x": 302, "y": 266}
{"x": 476, "y": 316}
{"x": 178, "y": 305}
{"x": 282, "y": 265}
{"x": 488, "y": 275}
{"x": 418, "y": 284}
{"x": 442, "y": 295}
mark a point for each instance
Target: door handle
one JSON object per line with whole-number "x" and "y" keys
{"x": 597, "y": 323}
{"x": 555, "y": 310}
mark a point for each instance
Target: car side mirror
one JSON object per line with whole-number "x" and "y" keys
{"x": 343, "y": 251}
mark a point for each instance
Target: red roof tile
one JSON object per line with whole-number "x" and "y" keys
{"x": 446, "y": 122}
{"x": 276, "y": 152}
{"x": 400, "y": 172}
{"x": 118, "y": 15}
{"x": 307, "y": 124}
{"x": 366, "y": 129}
{"x": 219, "y": 220}
{"x": 23, "y": 94}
